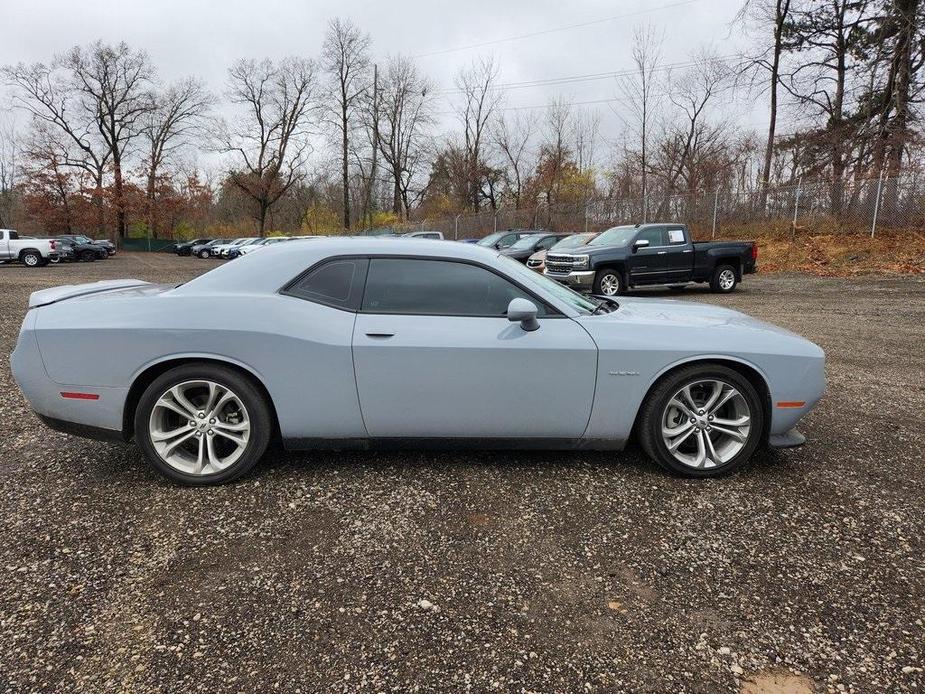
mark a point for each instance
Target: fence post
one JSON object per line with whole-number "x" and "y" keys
{"x": 796, "y": 204}
{"x": 456, "y": 228}
{"x": 873, "y": 224}
{"x": 715, "y": 205}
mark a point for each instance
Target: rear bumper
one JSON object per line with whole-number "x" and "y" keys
{"x": 85, "y": 431}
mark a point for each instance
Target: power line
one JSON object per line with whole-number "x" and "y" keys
{"x": 555, "y": 29}
{"x": 588, "y": 77}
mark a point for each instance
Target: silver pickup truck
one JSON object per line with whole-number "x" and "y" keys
{"x": 29, "y": 252}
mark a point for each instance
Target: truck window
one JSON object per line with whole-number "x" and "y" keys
{"x": 13, "y": 235}
{"x": 676, "y": 235}
{"x": 655, "y": 236}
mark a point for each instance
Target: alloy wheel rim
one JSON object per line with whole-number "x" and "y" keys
{"x": 706, "y": 424}
{"x": 199, "y": 427}
{"x": 727, "y": 279}
{"x": 30, "y": 260}
{"x": 610, "y": 284}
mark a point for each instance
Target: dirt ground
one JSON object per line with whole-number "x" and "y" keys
{"x": 418, "y": 571}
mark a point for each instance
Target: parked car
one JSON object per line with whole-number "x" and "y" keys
{"x": 107, "y": 244}
{"x": 28, "y": 251}
{"x": 502, "y": 239}
{"x": 86, "y": 248}
{"x": 204, "y": 250}
{"x": 221, "y": 250}
{"x": 526, "y": 246}
{"x": 537, "y": 261}
{"x": 424, "y": 234}
{"x": 186, "y": 247}
{"x": 66, "y": 253}
{"x": 238, "y": 251}
{"x": 349, "y": 342}
{"x": 83, "y": 248}
{"x": 652, "y": 254}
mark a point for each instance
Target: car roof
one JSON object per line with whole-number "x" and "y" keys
{"x": 276, "y": 265}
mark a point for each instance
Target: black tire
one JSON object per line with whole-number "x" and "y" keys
{"x": 605, "y": 279}
{"x": 243, "y": 386}
{"x": 720, "y": 282}
{"x": 649, "y": 424}
{"x": 32, "y": 259}
{"x": 87, "y": 256}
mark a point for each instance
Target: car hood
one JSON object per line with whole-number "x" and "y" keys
{"x": 689, "y": 323}
{"x": 539, "y": 255}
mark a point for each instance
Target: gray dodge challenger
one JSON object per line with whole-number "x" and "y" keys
{"x": 358, "y": 342}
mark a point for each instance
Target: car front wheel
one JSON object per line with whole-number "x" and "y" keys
{"x": 608, "y": 282}
{"x": 702, "y": 421}
{"x": 203, "y": 254}
{"x": 202, "y": 424}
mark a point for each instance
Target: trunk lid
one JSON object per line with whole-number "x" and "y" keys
{"x": 53, "y": 295}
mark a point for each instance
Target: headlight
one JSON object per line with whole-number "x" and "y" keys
{"x": 579, "y": 262}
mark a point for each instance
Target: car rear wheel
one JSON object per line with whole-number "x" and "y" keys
{"x": 202, "y": 424}
{"x": 608, "y": 282}
{"x": 724, "y": 279}
{"x": 87, "y": 256}
{"x": 203, "y": 254}
{"x": 702, "y": 421}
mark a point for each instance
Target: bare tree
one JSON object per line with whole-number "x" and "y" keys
{"x": 9, "y": 163}
{"x": 766, "y": 16}
{"x": 586, "y": 130}
{"x": 269, "y": 138}
{"x": 66, "y": 129}
{"x": 513, "y": 137}
{"x": 405, "y": 113}
{"x": 481, "y": 100}
{"x": 111, "y": 84}
{"x": 177, "y": 114}
{"x": 345, "y": 57}
{"x": 640, "y": 90}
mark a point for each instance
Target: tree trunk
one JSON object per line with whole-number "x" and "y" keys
{"x": 120, "y": 200}
{"x": 152, "y": 217}
{"x": 780, "y": 17}
{"x": 345, "y": 169}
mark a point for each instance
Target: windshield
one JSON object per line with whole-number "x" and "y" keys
{"x": 491, "y": 239}
{"x": 616, "y": 236}
{"x": 526, "y": 243}
{"x": 580, "y": 303}
{"x": 573, "y": 241}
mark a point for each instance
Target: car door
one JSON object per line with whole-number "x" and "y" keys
{"x": 4, "y": 246}
{"x": 680, "y": 254}
{"x": 649, "y": 264}
{"x": 435, "y": 356}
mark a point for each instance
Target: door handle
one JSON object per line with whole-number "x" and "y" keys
{"x": 380, "y": 335}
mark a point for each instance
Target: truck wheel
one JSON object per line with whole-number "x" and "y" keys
{"x": 608, "y": 282}
{"x": 724, "y": 279}
{"x": 703, "y": 420}
{"x": 32, "y": 259}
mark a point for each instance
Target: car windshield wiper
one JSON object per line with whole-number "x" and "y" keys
{"x": 611, "y": 304}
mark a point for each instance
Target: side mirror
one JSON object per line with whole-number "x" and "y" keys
{"x": 639, "y": 243}
{"x": 523, "y": 312}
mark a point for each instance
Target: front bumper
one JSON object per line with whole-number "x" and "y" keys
{"x": 580, "y": 279}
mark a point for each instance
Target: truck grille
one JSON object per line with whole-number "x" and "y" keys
{"x": 561, "y": 264}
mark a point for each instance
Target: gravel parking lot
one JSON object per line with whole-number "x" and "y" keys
{"x": 509, "y": 571}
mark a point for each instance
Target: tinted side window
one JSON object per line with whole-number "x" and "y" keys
{"x": 655, "y": 236}
{"x": 13, "y": 235}
{"x": 337, "y": 283}
{"x": 547, "y": 243}
{"x": 438, "y": 287}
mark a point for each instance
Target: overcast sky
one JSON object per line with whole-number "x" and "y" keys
{"x": 195, "y": 37}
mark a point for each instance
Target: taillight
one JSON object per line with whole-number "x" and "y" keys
{"x": 54, "y": 244}
{"x": 754, "y": 251}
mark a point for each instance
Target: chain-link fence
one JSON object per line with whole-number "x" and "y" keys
{"x": 856, "y": 206}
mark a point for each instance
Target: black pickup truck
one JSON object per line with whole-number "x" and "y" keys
{"x": 648, "y": 254}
